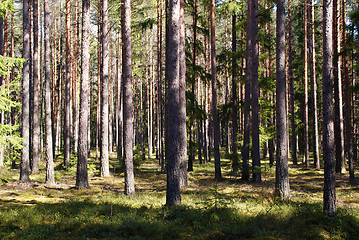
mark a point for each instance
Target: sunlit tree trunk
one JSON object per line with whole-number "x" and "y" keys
{"x": 50, "y": 174}
{"x": 67, "y": 121}
{"x": 329, "y": 196}
{"x": 82, "y": 174}
{"x": 127, "y": 97}
{"x": 282, "y": 179}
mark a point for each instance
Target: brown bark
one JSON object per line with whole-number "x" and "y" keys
{"x": 67, "y": 121}
{"x": 306, "y": 121}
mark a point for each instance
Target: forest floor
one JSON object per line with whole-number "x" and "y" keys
{"x": 229, "y": 209}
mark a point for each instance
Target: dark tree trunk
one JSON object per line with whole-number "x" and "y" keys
{"x": 256, "y": 166}
{"x": 182, "y": 98}
{"x": 329, "y": 197}
{"x": 25, "y": 130}
{"x": 172, "y": 133}
{"x": 104, "y": 155}
{"x": 306, "y": 112}
{"x": 67, "y": 123}
{"x": 235, "y": 164}
{"x": 247, "y": 98}
{"x": 282, "y": 179}
{"x": 217, "y": 161}
{"x": 36, "y": 154}
{"x": 82, "y": 175}
{"x": 127, "y": 97}
{"x": 50, "y": 174}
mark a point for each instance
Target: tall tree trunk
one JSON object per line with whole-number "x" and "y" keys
{"x": 306, "y": 121}
{"x": 182, "y": 98}
{"x": 247, "y": 100}
{"x": 25, "y": 117}
{"x": 104, "y": 155}
{"x": 329, "y": 197}
{"x": 81, "y": 174}
{"x": 291, "y": 87}
{"x": 173, "y": 108}
{"x": 127, "y": 97}
{"x": 35, "y": 92}
{"x": 50, "y": 174}
{"x": 256, "y": 167}
{"x": 67, "y": 123}
{"x": 235, "y": 164}
{"x": 313, "y": 80}
{"x": 99, "y": 71}
{"x": 338, "y": 101}
{"x": 282, "y": 179}
{"x": 217, "y": 161}
{"x": 347, "y": 98}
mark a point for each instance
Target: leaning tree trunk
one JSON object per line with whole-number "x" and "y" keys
{"x": 83, "y": 146}
{"x": 282, "y": 179}
{"x": 172, "y": 106}
{"x": 36, "y": 152}
{"x": 127, "y": 97}
{"x": 67, "y": 121}
{"x": 50, "y": 174}
{"x": 329, "y": 197}
{"x": 25, "y": 117}
{"x": 104, "y": 155}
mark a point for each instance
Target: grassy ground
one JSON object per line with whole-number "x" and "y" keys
{"x": 230, "y": 209}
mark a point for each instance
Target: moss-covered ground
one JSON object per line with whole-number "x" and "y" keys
{"x": 229, "y": 209}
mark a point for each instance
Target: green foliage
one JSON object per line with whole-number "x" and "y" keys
{"x": 7, "y": 5}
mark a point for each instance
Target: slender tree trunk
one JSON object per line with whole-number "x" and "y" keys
{"x": 25, "y": 117}
{"x": 182, "y": 98}
{"x": 329, "y": 196}
{"x": 256, "y": 167}
{"x": 313, "y": 80}
{"x": 81, "y": 174}
{"x": 235, "y": 164}
{"x": 50, "y": 174}
{"x": 306, "y": 122}
{"x": 347, "y": 98}
{"x": 67, "y": 123}
{"x": 291, "y": 87}
{"x": 99, "y": 71}
{"x": 338, "y": 101}
{"x": 35, "y": 92}
{"x": 217, "y": 161}
{"x": 104, "y": 155}
{"x": 282, "y": 179}
{"x": 127, "y": 97}
{"x": 247, "y": 100}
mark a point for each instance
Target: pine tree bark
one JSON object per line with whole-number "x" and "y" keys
{"x": 127, "y": 97}
{"x": 217, "y": 161}
{"x": 291, "y": 87}
{"x": 25, "y": 117}
{"x": 329, "y": 197}
{"x": 104, "y": 155}
{"x": 172, "y": 108}
{"x": 50, "y": 174}
{"x": 247, "y": 98}
{"x": 235, "y": 163}
{"x": 182, "y": 98}
{"x": 338, "y": 98}
{"x": 67, "y": 121}
{"x": 313, "y": 81}
{"x": 256, "y": 166}
{"x": 282, "y": 179}
{"x": 306, "y": 121}
{"x": 83, "y": 146}
{"x": 36, "y": 154}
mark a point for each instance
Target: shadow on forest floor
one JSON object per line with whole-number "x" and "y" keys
{"x": 228, "y": 209}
